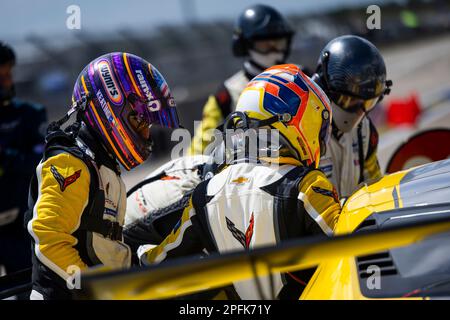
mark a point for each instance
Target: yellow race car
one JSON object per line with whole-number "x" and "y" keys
{"x": 392, "y": 241}
{"x": 421, "y": 269}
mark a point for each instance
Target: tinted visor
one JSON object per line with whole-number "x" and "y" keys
{"x": 161, "y": 112}
{"x": 270, "y": 45}
{"x": 351, "y": 103}
{"x": 139, "y": 125}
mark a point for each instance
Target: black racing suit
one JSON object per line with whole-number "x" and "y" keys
{"x": 22, "y": 129}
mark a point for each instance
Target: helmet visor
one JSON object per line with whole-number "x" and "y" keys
{"x": 139, "y": 125}
{"x": 353, "y": 104}
{"x": 161, "y": 112}
{"x": 270, "y": 45}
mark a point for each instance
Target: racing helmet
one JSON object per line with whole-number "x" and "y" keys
{"x": 262, "y": 33}
{"x": 352, "y": 73}
{"x": 301, "y": 110}
{"x": 125, "y": 96}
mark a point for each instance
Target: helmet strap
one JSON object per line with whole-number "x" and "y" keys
{"x": 239, "y": 120}
{"x": 284, "y": 118}
{"x": 387, "y": 90}
{"x": 232, "y": 121}
{"x": 77, "y": 106}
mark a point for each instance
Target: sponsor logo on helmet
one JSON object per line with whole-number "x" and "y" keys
{"x": 109, "y": 82}
{"x": 171, "y": 102}
{"x": 105, "y": 108}
{"x": 153, "y": 104}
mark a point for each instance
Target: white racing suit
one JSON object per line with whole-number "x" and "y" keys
{"x": 351, "y": 158}
{"x": 156, "y": 203}
{"x": 248, "y": 205}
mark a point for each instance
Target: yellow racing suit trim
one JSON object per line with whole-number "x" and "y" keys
{"x": 282, "y": 160}
{"x": 158, "y": 253}
{"x": 320, "y": 199}
{"x": 372, "y": 168}
{"x": 57, "y": 213}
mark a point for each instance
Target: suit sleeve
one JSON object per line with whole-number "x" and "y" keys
{"x": 63, "y": 194}
{"x": 215, "y": 110}
{"x": 372, "y": 169}
{"x": 321, "y": 203}
{"x": 184, "y": 240}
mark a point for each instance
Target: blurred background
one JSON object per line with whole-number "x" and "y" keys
{"x": 189, "y": 41}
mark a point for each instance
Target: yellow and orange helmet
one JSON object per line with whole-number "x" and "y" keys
{"x": 286, "y": 91}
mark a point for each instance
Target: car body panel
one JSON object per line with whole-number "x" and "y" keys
{"x": 416, "y": 188}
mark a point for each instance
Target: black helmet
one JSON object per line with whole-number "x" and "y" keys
{"x": 259, "y": 22}
{"x": 352, "y": 73}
